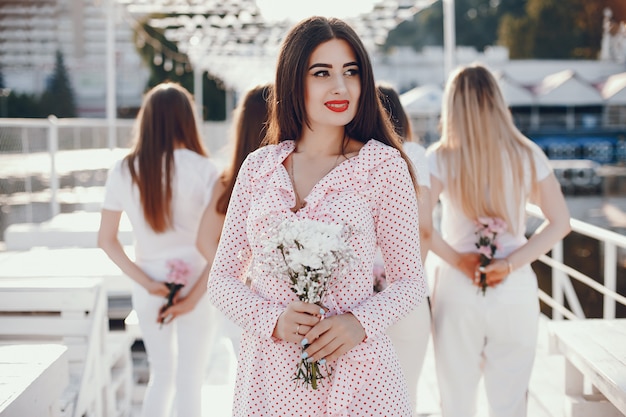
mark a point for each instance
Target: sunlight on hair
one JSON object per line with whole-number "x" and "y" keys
{"x": 276, "y": 10}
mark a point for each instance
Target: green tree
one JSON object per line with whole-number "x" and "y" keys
{"x": 550, "y": 21}
{"x": 589, "y": 18}
{"x": 476, "y": 24}
{"x": 58, "y": 97}
{"x": 558, "y": 29}
{"x": 529, "y": 28}
{"x": 509, "y": 35}
{"x": 24, "y": 105}
{"x": 155, "y": 51}
{"x": 425, "y": 29}
{"x": 3, "y": 96}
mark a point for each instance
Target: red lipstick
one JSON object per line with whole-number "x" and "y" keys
{"x": 337, "y": 106}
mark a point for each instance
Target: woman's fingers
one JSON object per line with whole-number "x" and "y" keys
{"x": 296, "y": 321}
{"x": 334, "y": 336}
{"x": 308, "y": 308}
{"x": 166, "y": 315}
{"x": 495, "y": 272}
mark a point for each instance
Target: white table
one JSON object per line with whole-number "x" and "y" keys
{"x": 76, "y": 229}
{"x": 32, "y": 379}
{"x": 595, "y": 353}
{"x": 67, "y": 262}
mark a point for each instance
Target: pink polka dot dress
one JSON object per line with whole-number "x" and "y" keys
{"x": 373, "y": 194}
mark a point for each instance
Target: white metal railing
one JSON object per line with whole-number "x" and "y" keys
{"x": 21, "y": 139}
{"x": 53, "y": 136}
{"x": 562, "y": 274}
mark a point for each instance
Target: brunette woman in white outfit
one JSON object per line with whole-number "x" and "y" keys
{"x": 483, "y": 167}
{"x": 249, "y": 128}
{"x": 410, "y": 334}
{"x": 163, "y": 185}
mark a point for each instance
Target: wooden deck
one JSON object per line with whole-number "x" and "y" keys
{"x": 546, "y": 396}
{"x": 77, "y": 256}
{"x": 75, "y": 233}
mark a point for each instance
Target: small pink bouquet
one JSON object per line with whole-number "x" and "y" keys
{"x": 176, "y": 279}
{"x": 380, "y": 278}
{"x": 487, "y": 230}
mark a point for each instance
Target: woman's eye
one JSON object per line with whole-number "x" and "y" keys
{"x": 321, "y": 74}
{"x": 352, "y": 72}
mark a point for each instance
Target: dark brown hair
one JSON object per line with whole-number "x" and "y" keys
{"x": 288, "y": 112}
{"x": 166, "y": 120}
{"x": 250, "y": 129}
{"x": 288, "y": 107}
{"x": 391, "y": 102}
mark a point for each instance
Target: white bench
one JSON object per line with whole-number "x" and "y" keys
{"x": 67, "y": 262}
{"x": 72, "y": 311}
{"x": 76, "y": 229}
{"x": 32, "y": 378}
{"x": 595, "y": 370}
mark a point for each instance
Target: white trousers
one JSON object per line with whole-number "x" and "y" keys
{"x": 177, "y": 353}
{"x": 410, "y": 338}
{"x": 493, "y": 336}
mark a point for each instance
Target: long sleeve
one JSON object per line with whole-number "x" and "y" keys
{"x": 230, "y": 267}
{"x": 397, "y": 231}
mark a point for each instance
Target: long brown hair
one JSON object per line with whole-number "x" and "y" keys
{"x": 288, "y": 111}
{"x": 165, "y": 121}
{"x": 250, "y": 128}
{"x": 399, "y": 119}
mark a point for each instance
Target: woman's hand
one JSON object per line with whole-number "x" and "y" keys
{"x": 157, "y": 288}
{"x": 181, "y": 306}
{"x": 298, "y": 319}
{"x": 334, "y": 336}
{"x": 468, "y": 264}
{"x": 496, "y": 271}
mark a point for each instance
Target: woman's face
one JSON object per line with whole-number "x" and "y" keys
{"x": 332, "y": 85}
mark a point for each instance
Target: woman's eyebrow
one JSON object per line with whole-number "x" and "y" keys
{"x": 320, "y": 65}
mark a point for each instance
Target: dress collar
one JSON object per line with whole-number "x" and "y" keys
{"x": 272, "y": 173}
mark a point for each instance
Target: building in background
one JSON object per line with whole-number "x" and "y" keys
{"x": 544, "y": 93}
{"x": 31, "y": 31}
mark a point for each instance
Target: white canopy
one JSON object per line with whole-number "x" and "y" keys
{"x": 614, "y": 89}
{"x": 514, "y": 93}
{"x": 565, "y": 88}
{"x": 422, "y": 100}
{"x": 233, "y": 40}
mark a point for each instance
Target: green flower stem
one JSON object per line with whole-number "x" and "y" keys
{"x": 309, "y": 374}
{"x": 484, "y": 261}
{"x": 313, "y": 375}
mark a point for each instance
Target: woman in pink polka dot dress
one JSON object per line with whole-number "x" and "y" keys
{"x": 331, "y": 156}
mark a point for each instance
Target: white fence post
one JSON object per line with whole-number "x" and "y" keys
{"x": 53, "y": 147}
{"x": 610, "y": 278}
{"x": 28, "y": 183}
{"x": 557, "y": 280}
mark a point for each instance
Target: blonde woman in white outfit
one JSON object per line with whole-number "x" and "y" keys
{"x": 410, "y": 335}
{"x": 483, "y": 167}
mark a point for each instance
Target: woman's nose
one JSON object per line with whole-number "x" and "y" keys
{"x": 339, "y": 85}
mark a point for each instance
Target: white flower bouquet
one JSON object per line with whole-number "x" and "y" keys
{"x": 309, "y": 254}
